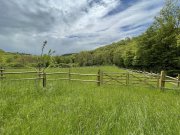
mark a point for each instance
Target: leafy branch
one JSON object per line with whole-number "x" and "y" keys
{"x": 45, "y": 60}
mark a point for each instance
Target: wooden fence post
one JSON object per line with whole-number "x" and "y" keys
{"x": 39, "y": 73}
{"x": 40, "y": 76}
{"x": 69, "y": 74}
{"x": 99, "y": 78}
{"x": 162, "y": 80}
{"x": 178, "y": 80}
{"x": 127, "y": 78}
{"x": 44, "y": 79}
{"x": 1, "y": 72}
{"x": 158, "y": 80}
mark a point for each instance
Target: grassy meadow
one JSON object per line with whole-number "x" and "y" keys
{"x": 74, "y": 108}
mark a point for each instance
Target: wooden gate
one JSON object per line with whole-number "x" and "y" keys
{"x": 130, "y": 78}
{"x": 142, "y": 79}
{"x": 115, "y": 78}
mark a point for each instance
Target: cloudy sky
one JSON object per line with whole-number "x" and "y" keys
{"x": 72, "y": 25}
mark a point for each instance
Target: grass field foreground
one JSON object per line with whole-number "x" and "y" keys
{"x": 85, "y": 109}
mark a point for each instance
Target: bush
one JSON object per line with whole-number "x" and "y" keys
{"x": 15, "y": 65}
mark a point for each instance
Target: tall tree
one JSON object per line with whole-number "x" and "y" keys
{"x": 158, "y": 45}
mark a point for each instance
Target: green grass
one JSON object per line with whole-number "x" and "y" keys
{"x": 85, "y": 109}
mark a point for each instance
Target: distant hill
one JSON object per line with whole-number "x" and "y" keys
{"x": 69, "y": 54}
{"x": 12, "y": 59}
{"x": 120, "y": 53}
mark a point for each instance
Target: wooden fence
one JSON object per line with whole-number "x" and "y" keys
{"x": 163, "y": 80}
{"x": 103, "y": 78}
{"x": 43, "y": 76}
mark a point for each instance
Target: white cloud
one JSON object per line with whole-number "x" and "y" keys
{"x": 71, "y": 26}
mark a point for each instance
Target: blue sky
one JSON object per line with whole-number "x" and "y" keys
{"x": 72, "y": 25}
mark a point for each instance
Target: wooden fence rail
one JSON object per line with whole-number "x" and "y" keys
{"x": 43, "y": 76}
{"x": 127, "y": 78}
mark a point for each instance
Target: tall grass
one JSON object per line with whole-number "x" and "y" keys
{"x": 85, "y": 109}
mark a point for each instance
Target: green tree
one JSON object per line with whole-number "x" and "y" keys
{"x": 158, "y": 45}
{"x": 128, "y": 60}
{"x": 118, "y": 59}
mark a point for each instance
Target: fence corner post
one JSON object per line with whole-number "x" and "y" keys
{"x": 162, "y": 80}
{"x": 99, "y": 78}
{"x": 178, "y": 79}
{"x": 44, "y": 79}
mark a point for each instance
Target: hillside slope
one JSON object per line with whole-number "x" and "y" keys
{"x": 9, "y": 59}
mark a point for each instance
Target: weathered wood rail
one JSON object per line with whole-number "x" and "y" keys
{"x": 43, "y": 76}
{"x": 102, "y": 78}
{"x": 163, "y": 79}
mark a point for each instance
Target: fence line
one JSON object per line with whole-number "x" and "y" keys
{"x": 43, "y": 76}
{"x": 162, "y": 78}
{"x": 127, "y": 78}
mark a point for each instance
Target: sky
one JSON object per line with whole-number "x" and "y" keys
{"x": 71, "y": 26}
